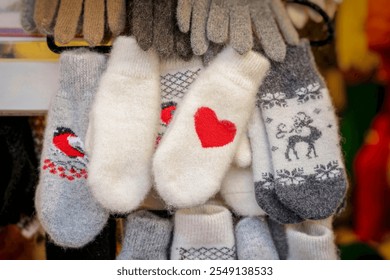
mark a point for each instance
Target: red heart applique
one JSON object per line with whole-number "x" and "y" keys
{"x": 211, "y": 131}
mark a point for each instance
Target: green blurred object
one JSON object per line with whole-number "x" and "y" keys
{"x": 358, "y": 251}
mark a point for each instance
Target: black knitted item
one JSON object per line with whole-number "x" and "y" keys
{"x": 19, "y": 169}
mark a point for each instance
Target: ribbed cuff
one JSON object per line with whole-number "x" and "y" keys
{"x": 128, "y": 59}
{"x": 206, "y": 224}
{"x": 79, "y": 70}
{"x": 149, "y": 226}
{"x": 311, "y": 241}
{"x": 243, "y": 69}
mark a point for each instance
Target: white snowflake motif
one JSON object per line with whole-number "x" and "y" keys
{"x": 269, "y": 100}
{"x": 312, "y": 91}
{"x": 331, "y": 170}
{"x": 268, "y": 181}
{"x": 288, "y": 178}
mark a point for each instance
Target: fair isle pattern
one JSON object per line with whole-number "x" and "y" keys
{"x": 174, "y": 86}
{"x": 203, "y": 253}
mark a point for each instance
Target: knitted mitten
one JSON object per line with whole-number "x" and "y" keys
{"x": 65, "y": 206}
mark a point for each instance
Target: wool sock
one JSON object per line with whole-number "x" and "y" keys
{"x": 254, "y": 240}
{"x": 278, "y": 233}
{"x": 311, "y": 240}
{"x": 123, "y": 128}
{"x": 302, "y": 130}
{"x": 203, "y": 233}
{"x": 199, "y": 145}
{"x": 103, "y": 247}
{"x": 27, "y": 15}
{"x": 65, "y": 206}
{"x": 238, "y": 192}
{"x": 45, "y": 12}
{"x": 116, "y": 16}
{"x": 67, "y": 20}
{"x": 147, "y": 237}
{"x": 93, "y": 21}
{"x": 263, "y": 175}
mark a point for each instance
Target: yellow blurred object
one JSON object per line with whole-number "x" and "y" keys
{"x": 29, "y": 51}
{"x": 335, "y": 82}
{"x": 351, "y": 42}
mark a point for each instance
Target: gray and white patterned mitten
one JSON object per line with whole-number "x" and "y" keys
{"x": 302, "y": 130}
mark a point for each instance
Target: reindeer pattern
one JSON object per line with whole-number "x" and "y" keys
{"x": 295, "y": 135}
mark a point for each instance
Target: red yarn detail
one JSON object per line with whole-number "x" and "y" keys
{"x": 167, "y": 114}
{"x": 211, "y": 131}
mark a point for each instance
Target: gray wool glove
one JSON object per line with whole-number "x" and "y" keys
{"x": 230, "y": 20}
{"x": 153, "y": 24}
{"x": 192, "y": 16}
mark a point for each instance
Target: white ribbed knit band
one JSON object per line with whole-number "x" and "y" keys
{"x": 311, "y": 240}
{"x": 204, "y": 232}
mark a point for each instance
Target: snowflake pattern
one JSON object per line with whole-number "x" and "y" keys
{"x": 268, "y": 181}
{"x": 312, "y": 91}
{"x": 329, "y": 171}
{"x": 295, "y": 177}
{"x": 269, "y": 100}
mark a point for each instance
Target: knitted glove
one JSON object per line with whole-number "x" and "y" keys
{"x": 153, "y": 24}
{"x": 65, "y": 18}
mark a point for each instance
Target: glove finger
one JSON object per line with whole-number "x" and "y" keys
{"x": 182, "y": 44}
{"x": 116, "y": 16}
{"x": 331, "y": 8}
{"x": 183, "y": 14}
{"x": 93, "y": 22}
{"x": 316, "y": 17}
{"x": 211, "y": 53}
{"x": 267, "y": 31}
{"x": 68, "y": 17}
{"x": 199, "y": 40}
{"x": 163, "y": 23}
{"x": 241, "y": 37}
{"x": 45, "y": 12}
{"x": 285, "y": 25}
{"x": 218, "y": 22}
{"x": 142, "y": 23}
{"x": 27, "y": 15}
{"x": 298, "y": 15}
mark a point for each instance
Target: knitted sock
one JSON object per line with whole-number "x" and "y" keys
{"x": 27, "y": 15}
{"x": 311, "y": 240}
{"x": 203, "y": 233}
{"x": 103, "y": 247}
{"x": 263, "y": 174}
{"x": 302, "y": 131}
{"x": 45, "y": 12}
{"x": 93, "y": 21}
{"x": 238, "y": 192}
{"x": 200, "y": 144}
{"x": 254, "y": 240}
{"x": 64, "y": 203}
{"x": 278, "y": 233}
{"x": 147, "y": 237}
{"x": 116, "y": 16}
{"x": 123, "y": 127}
